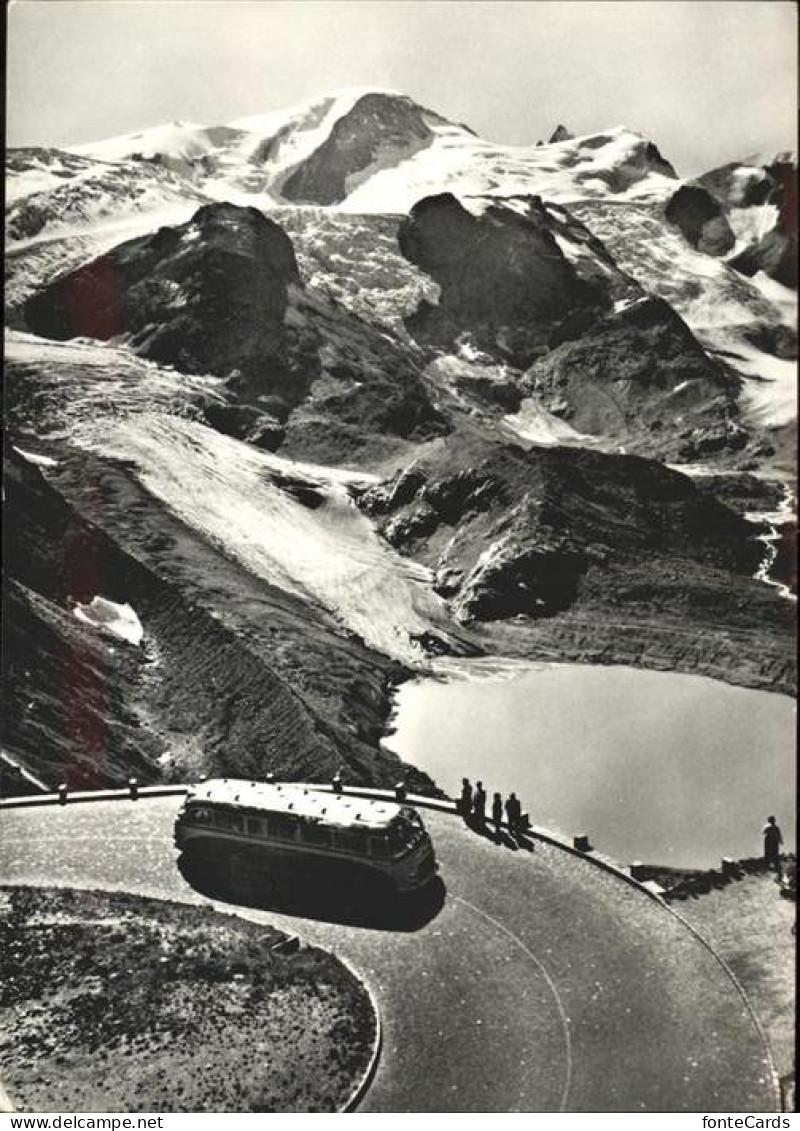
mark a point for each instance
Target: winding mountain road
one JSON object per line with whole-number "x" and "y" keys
{"x": 543, "y": 983}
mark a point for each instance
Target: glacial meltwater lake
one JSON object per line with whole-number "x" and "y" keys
{"x": 658, "y": 767}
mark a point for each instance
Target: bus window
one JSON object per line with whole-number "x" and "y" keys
{"x": 284, "y": 827}
{"x": 231, "y": 821}
{"x": 351, "y": 840}
{"x": 316, "y": 834}
{"x": 256, "y": 827}
{"x": 200, "y": 815}
{"x": 378, "y": 847}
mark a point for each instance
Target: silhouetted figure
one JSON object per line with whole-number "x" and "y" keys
{"x": 514, "y": 813}
{"x": 402, "y": 788}
{"x": 497, "y": 812}
{"x": 465, "y": 801}
{"x": 479, "y": 805}
{"x": 773, "y": 840}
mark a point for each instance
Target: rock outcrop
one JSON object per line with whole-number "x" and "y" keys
{"x": 512, "y": 532}
{"x": 222, "y": 294}
{"x": 560, "y": 133}
{"x": 569, "y": 553}
{"x": 509, "y": 276}
{"x": 775, "y": 253}
{"x": 207, "y": 296}
{"x": 641, "y": 377}
{"x": 771, "y": 189}
{"x": 701, "y": 219}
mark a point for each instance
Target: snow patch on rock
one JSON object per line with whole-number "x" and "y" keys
{"x": 109, "y": 617}
{"x": 33, "y": 457}
{"x": 536, "y": 424}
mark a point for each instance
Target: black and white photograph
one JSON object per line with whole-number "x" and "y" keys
{"x": 399, "y": 615}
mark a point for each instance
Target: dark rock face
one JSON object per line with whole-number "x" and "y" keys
{"x": 780, "y": 341}
{"x": 739, "y": 186}
{"x": 245, "y": 422}
{"x": 560, "y": 133}
{"x": 775, "y": 254}
{"x": 743, "y": 493}
{"x": 208, "y": 296}
{"x": 744, "y": 186}
{"x": 222, "y": 295}
{"x": 657, "y": 162}
{"x": 379, "y": 125}
{"x": 533, "y": 533}
{"x": 503, "y": 275}
{"x": 701, "y": 220}
{"x": 634, "y": 376}
{"x": 524, "y": 582}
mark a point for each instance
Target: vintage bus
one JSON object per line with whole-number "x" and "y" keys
{"x": 279, "y": 832}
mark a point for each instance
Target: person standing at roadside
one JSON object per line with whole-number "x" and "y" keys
{"x": 465, "y": 801}
{"x": 497, "y": 813}
{"x": 513, "y": 813}
{"x": 479, "y": 806}
{"x": 773, "y": 839}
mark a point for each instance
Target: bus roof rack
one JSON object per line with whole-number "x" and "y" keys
{"x": 297, "y": 800}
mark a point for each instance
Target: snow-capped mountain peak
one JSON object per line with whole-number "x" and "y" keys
{"x": 368, "y": 149}
{"x": 360, "y": 155}
{"x": 334, "y": 102}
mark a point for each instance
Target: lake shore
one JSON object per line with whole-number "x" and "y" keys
{"x": 653, "y": 766}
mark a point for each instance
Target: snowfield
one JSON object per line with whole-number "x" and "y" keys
{"x": 228, "y": 492}
{"x": 719, "y": 305}
{"x": 598, "y": 165}
{"x": 256, "y": 154}
{"x": 36, "y": 458}
{"x": 82, "y": 380}
{"x": 177, "y": 140}
{"x": 103, "y": 398}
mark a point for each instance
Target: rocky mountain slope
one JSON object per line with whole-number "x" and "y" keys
{"x": 320, "y": 396}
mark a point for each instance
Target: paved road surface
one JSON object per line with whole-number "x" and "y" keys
{"x": 542, "y": 983}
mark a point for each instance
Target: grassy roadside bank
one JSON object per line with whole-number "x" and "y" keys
{"x": 112, "y": 1002}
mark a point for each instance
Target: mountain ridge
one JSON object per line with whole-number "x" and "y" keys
{"x": 367, "y": 389}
